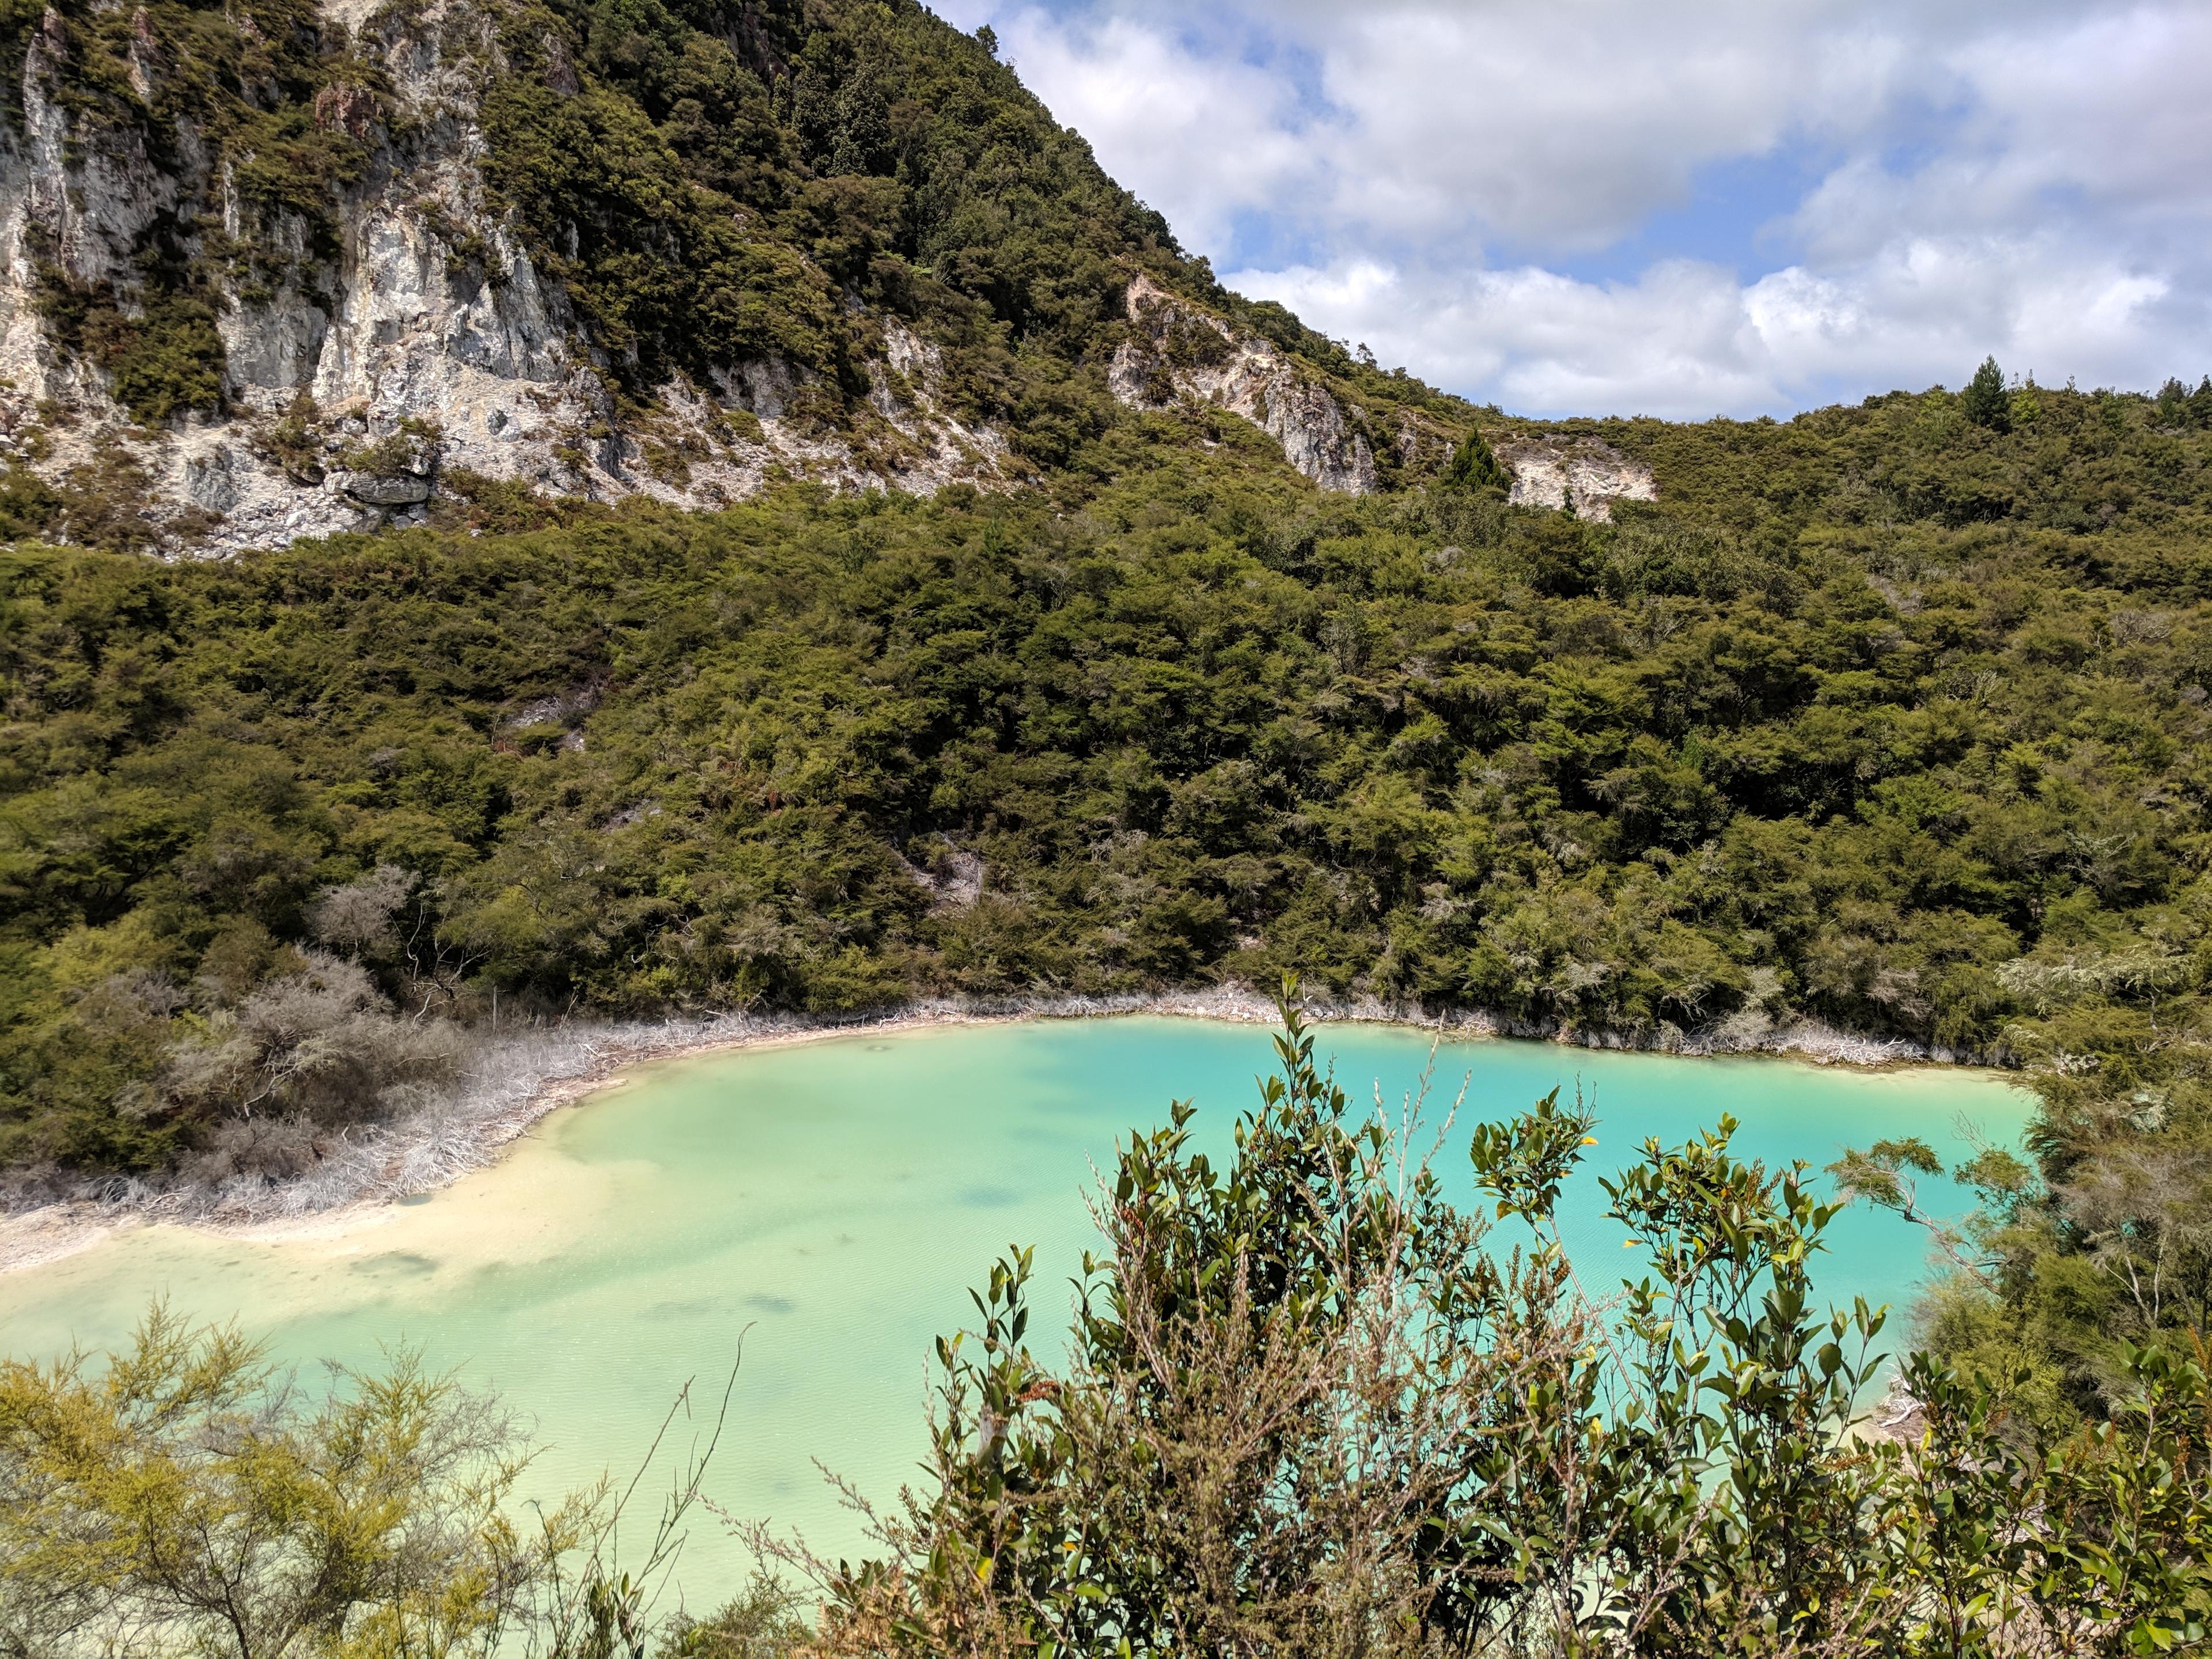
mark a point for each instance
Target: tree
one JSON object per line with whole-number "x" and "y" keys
{"x": 2179, "y": 406}
{"x": 185, "y": 1498}
{"x": 1985, "y": 401}
{"x": 189, "y": 1499}
{"x": 1311, "y": 1407}
{"x": 1472, "y": 466}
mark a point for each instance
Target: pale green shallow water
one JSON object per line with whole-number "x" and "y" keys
{"x": 839, "y": 1196}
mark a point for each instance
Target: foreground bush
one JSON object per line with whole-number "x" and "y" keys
{"x": 1307, "y": 1406}
{"x": 1310, "y": 1406}
{"x": 185, "y": 1499}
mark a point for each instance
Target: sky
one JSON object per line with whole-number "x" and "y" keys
{"x": 1679, "y": 208}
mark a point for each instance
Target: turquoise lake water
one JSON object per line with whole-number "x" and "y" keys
{"x": 832, "y": 1201}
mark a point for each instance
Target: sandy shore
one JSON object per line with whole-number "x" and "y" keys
{"x": 32, "y": 1238}
{"x": 530, "y": 1075}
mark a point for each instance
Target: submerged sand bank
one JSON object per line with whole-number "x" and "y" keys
{"x": 522, "y": 1078}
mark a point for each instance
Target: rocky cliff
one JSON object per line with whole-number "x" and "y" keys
{"x": 1176, "y": 351}
{"x": 1586, "y": 473}
{"x": 273, "y": 269}
{"x": 328, "y": 358}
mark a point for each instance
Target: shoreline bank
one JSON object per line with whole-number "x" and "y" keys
{"x": 523, "y": 1078}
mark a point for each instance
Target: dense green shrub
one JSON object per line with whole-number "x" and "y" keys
{"x": 1307, "y": 1405}
{"x": 1767, "y": 749}
{"x": 1473, "y": 467}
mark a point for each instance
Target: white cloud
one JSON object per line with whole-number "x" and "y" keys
{"x": 2034, "y": 179}
{"x": 1563, "y": 125}
{"x": 1688, "y": 340}
{"x": 1200, "y": 138}
{"x": 1679, "y": 342}
{"x": 2111, "y": 103}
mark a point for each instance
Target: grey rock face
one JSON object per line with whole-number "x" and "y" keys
{"x": 208, "y": 480}
{"x": 403, "y": 334}
{"x": 1549, "y": 471}
{"x": 1179, "y": 351}
{"x": 402, "y": 489}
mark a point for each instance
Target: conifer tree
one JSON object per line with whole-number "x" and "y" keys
{"x": 1473, "y": 467}
{"x": 1986, "y": 403}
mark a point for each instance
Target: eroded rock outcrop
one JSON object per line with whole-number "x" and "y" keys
{"x": 408, "y": 340}
{"x": 1177, "y": 351}
{"x": 1547, "y": 472}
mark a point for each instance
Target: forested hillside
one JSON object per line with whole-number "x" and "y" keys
{"x": 270, "y": 269}
{"x": 1880, "y": 716}
{"x": 1065, "y": 625}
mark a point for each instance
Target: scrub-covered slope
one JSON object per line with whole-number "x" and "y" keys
{"x": 1190, "y": 646}
{"x": 268, "y": 270}
{"x": 1878, "y": 717}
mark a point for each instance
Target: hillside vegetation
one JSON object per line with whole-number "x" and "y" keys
{"x": 1890, "y": 719}
{"x": 1880, "y": 717}
{"x": 281, "y": 267}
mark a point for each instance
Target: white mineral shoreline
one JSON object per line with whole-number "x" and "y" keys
{"x": 522, "y": 1078}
